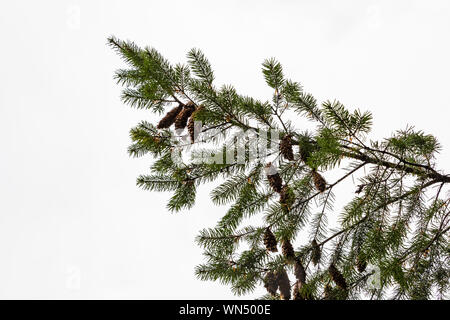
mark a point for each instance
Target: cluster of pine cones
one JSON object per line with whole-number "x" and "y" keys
{"x": 279, "y": 280}
{"x": 270, "y": 243}
{"x": 182, "y": 115}
{"x": 287, "y": 152}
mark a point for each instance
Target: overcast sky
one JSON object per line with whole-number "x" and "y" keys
{"x": 72, "y": 222}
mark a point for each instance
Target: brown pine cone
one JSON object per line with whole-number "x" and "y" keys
{"x": 271, "y": 283}
{"x": 319, "y": 181}
{"x": 284, "y": 285}
{"x": 296, "y": 292}
{"x": 192, "y": 128}
{"x": 337, "y": 277}
{"x": 169, "y": 118}
{"x": 273, "y": 177}
{"x": 299, "y": 271}
{"x": 269, "y": 241}
{"x": 183, "y": 116}
{"x": 286, "y": 148}
{"x": 288, "y": 250}
{"x": 275, "y": 182}
{"x": 316, "y": 253}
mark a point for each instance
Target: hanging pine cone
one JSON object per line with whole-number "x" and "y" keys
{"x": 296, "y": 292}
{"x": 269, "y": 241}
{"x": 271, "y": 283}
{"x": 316, "y": 253}
{"x": 183, "y": 116}
{"x": 192, "y": 128}
{"x": 284, "y": 285}
{"x": 299, "y": 271}
{"x": 169, "y": 118}
{"x": 319, "y": 181}
{"x": 286, "y": 148}
{"x": 288, "y": 250}
{"x": 337, "y": 277}
{"x": 287, "y": 198}
{"x": 275, "y": 182}
{"x": 361, "y": 264}
{"x": 273, "y": 177}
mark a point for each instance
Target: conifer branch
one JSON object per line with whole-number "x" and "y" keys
{"x": 393, "y": 221}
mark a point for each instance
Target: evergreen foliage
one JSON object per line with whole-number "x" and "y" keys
{"x": 397, "y": 221}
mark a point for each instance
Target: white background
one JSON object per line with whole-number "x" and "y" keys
{"x": 72, "y": 222}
